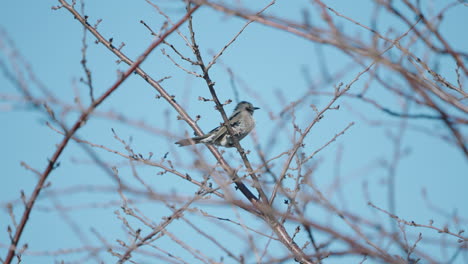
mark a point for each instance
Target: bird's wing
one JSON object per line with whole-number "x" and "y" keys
{"x": 213, "y": 130}
{"x": 235, "y": 118}
{"x": 218, "y": 132}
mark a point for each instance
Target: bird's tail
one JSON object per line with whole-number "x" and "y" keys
{"x": 189, "y": 141}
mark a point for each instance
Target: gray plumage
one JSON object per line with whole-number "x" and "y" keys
{"x": 242, "y": 122}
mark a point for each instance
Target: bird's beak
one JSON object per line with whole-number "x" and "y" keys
{"x": 256, "y": 108}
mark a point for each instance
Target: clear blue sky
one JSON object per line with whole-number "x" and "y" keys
{"x": 266, "y": 59}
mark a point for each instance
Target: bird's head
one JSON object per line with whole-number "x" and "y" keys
{"x": 245, "y": 106}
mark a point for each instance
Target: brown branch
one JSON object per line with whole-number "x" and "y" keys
{"x": 220, "y": 108}
{"x": 260, "y": 203}
{"x": 461, "y": 239}
{"x": 89, "y": 79}
{"x": 156, "y": 230}
{"x": 442, "y": 40}
{"x": 79, "y": 123}
{"x": 170, "y": 99}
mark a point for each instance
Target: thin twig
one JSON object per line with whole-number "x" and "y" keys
{"x": 79, "y": 123}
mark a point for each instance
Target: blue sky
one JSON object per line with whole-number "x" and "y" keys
{"x": 268, "y": 61}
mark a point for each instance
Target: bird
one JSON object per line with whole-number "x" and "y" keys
{"x": 242, "y": 122}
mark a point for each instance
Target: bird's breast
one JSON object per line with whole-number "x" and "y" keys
{"x": 245, "y": 125}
